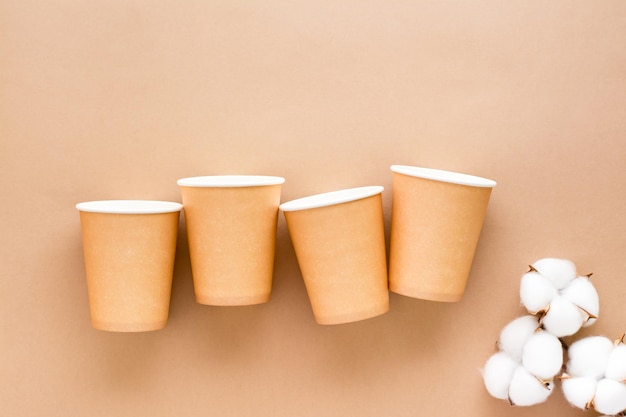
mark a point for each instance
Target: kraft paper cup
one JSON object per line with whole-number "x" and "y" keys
{"x": 231, "y": 228}
{"x": 129, "y": 249}
{"x": 436, "y": 221}
{"x": 339, "y": 242}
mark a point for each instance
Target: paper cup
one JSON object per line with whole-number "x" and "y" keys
{"x": 340, "y": 246}
{"x": 436, "y": 221}
{"x": 129, "y": 249}
{"x": 231, "y": 227}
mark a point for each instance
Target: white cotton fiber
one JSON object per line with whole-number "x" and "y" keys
{"x": 563, "y": 318}
{"x": 515, "y": 334}
{"x": 536, "y": 292}
{"x": 559, "y": 271}
{"x": 582, "y": 293}
{"x": 579, "y": 391}
{"x": 589, "y": 356}
{"x": 543, "y": 355}
{"x": 616, "y": 364}
{"x": 610, "y": 397}
{"x": 497, "y": 374}
{"x": 526, "y": 389}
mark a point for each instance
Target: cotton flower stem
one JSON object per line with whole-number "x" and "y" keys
{"x": 541, "y": 314}
{"x": 532, "y": 269}
{"x": 620, "y": 340}
{"x": 588, "y": 275}
{"x": 546, "y": 384}
{"x": 563, "y": 376}
{"x": 589, "y": 315}
{"x": 589, "y": 404}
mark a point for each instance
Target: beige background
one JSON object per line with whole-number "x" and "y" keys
{"x": 119, "y": 99}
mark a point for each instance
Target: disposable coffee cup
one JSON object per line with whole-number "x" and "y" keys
{"x": 436, "y": 220}
{"x": 231, "y": 229}
{"x": 129, "y": 249}
{"x": 339, "y": 242}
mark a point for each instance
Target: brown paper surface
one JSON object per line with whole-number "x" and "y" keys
{"x": 119, "y": 99}
{"x": 435, "y": 228}
{"x": 232, "y": 239}
{"x": 129, "y": 261}
{"x": 341, "y": 253}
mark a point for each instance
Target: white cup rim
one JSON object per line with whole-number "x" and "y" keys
{"x": 226, "y": 181}
{"x": 129, "y": 206}
{"x": 331, "y": 198}
{"x": 444, "y": 176}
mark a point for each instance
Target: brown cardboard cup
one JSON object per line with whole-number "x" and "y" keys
{"x": 339, "y": 241}
{"x": 436, "y": 221}
{"x": 129, "y": 249}
{"x": 231, "y": 229}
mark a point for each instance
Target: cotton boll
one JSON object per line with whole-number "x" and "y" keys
{"x": 515, "y": 334}
{"x": 543, "y": 355}
{"x": 526, "y": 389}
{"x": 563, "y": 318}
{"x": 589, "y": 356}
{"x": 616, "y": 364}
{"x": 610, "y": 397}
{"x": 582, "y": 293}
{"x": 579, "y": 391}
{"x": 536, "y": 291}
{"x": 497, "y": 374}
{"x": 559, "y": 271}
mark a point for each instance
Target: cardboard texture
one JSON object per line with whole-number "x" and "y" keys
{"x": 129, "y": 262}
{"x": 341, "y": 253}
{"x": 435, "y": 226}
{"x": 120, "y": 99}
{"x": 232, "y": 239}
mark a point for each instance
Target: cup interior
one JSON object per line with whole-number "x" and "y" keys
{"x": 331, "y": 198}
{"x": 129, "y": 206}
{"x": 230, "y": 181}
{"x": 444, "y": 176}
